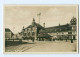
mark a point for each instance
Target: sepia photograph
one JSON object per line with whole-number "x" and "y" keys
{"x": 40, "y": 29}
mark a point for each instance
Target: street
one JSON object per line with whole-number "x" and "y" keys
{"x": 44, "y": 46}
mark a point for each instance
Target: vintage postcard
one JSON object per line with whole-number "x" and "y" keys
{"x": 44, "y": 29}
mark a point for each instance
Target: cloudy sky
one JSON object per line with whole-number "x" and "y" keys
{"x": 17, "y": 16}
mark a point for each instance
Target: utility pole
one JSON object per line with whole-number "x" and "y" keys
{"x": 13, "y": 35}
{"x": 39, "y": 17}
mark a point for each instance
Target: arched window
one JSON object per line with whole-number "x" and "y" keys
{"x": 29, "y": 34}
{"x": 33, "y": 33}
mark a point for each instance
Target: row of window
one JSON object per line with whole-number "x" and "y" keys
{"x": 29, "y": 29}
{"x": 29, "y": 34}
{"x": 63, "y": 33}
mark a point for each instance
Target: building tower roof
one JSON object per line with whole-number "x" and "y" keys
{"x": 33, "y": 20}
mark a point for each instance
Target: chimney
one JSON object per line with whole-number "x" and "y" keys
{"x": 23, "y": 27}
{"x": 44, "y": 25}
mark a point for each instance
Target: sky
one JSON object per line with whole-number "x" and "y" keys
{"x": 17, "y": 16}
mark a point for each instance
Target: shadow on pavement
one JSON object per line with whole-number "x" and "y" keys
{"x": 15, "y": 43}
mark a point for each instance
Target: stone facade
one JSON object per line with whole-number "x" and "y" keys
{"x": 67, "y": 31}
{"x": 8, "y": 33}
{"x": 32, "y": 30}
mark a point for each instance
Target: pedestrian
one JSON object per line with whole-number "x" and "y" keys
{"x": 71, "y": 40}
{"x": 33, "y": 40}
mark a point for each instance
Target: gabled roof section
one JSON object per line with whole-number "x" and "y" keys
{"x": 29, "y": 26}
{"x": 61, "y": 26}
{"x": 7, "y": 30}
{"x": 39, "y": 26}
{"x": 36, "y": 24}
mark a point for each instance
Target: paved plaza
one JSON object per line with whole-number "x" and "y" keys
{"x": 43, "y": 46}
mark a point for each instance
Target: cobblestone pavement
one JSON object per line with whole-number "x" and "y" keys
{"x": 44, "y": 46}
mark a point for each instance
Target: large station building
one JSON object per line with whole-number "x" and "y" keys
{"x": 66, "y": 31}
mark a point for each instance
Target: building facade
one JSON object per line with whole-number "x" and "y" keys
{"x": 8, "y": 33}
{"x": 67, "y": 31}
{"x": 31, "y": 31}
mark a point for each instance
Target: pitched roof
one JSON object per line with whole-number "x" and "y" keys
{"x": 29, "y": 26}
{"x": 38, "y": 26}
{"x": 61, "y": 28}
{"x": 7, "y": 30}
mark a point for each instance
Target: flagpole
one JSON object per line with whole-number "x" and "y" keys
{"x": 39, "y": 17}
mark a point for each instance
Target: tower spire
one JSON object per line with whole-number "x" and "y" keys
{"x": 33, "y": 20}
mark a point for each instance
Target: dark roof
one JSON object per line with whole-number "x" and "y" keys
{"x": 60, "y": 28}
{"x": 39, "y": 26}
{"x": 36, "y": 24}
{"x": 7, "y": 30}
{"x": 29, "y": 26}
